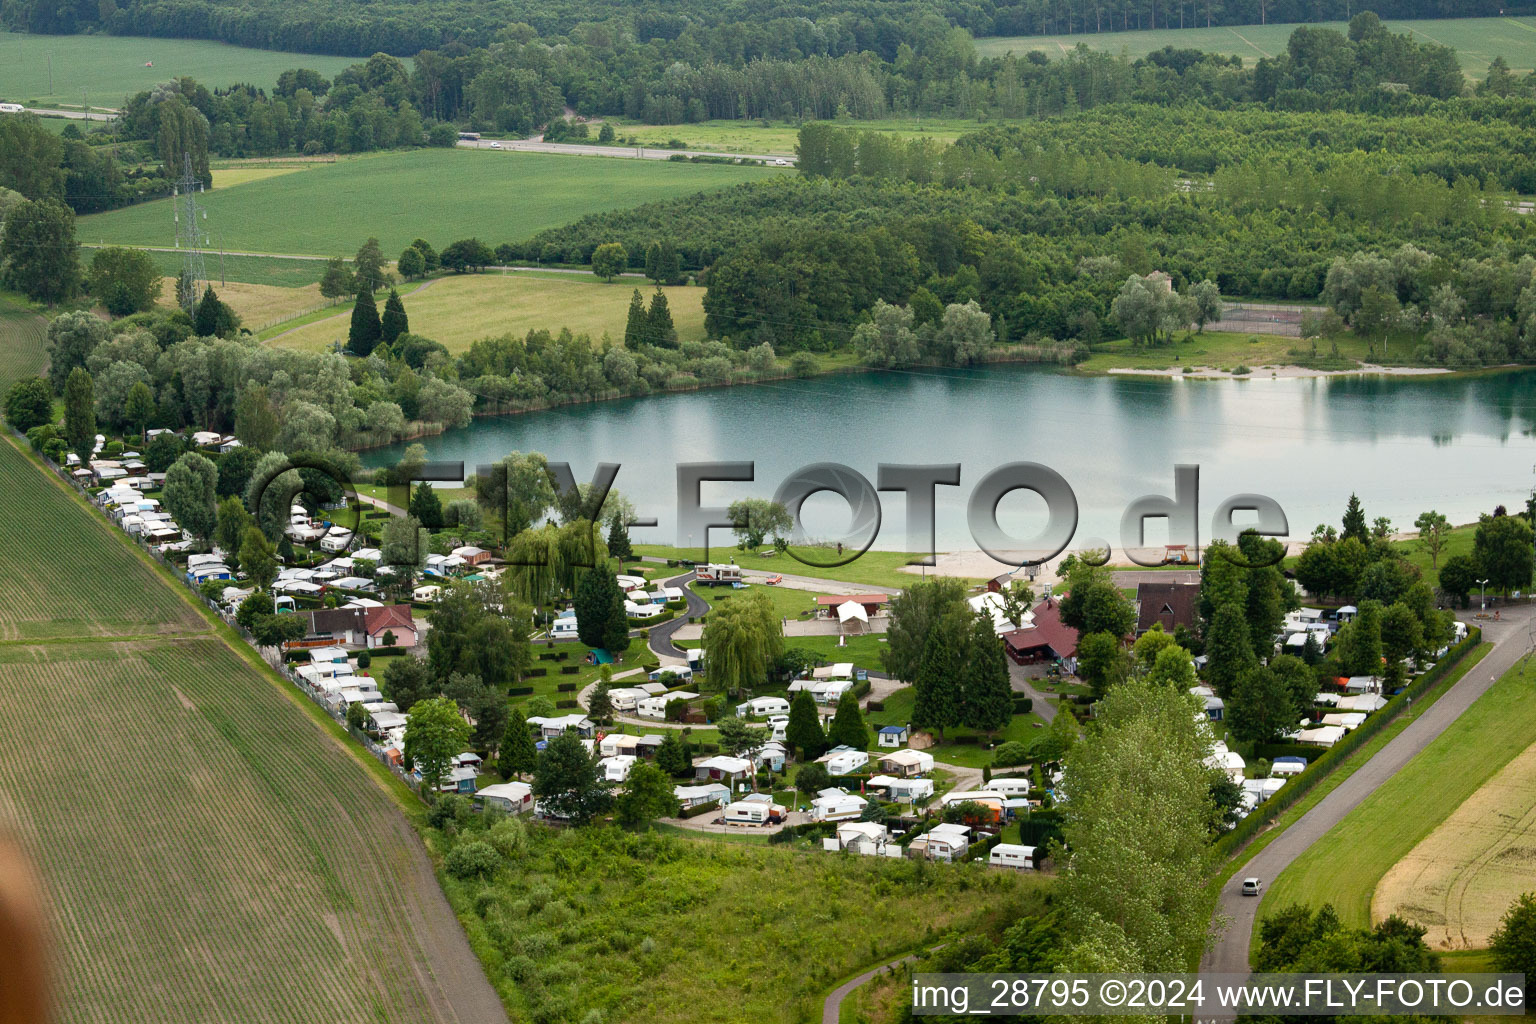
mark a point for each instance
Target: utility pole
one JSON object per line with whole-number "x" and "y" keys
{"x": 185, "y": 210}
{"x": 50, "y": 72}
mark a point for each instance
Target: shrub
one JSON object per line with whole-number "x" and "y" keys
{"x": 519, "y": 691}
{"x": 1011, "y": 753}
{"x": 569, "y": 670}
{"x": 473, "y": 860}
{"x": 875, "y": 705}
{"x": 446, "y": 810}
{"x": 694, "y": 812}
{"x": 566, "y": 704}
{"x": 565, "y": 687}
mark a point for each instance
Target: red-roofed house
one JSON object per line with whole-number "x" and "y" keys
{"x": 1049, "y": 639}
{"x": 390, "y": 618}
{"x": 828, "y": 604}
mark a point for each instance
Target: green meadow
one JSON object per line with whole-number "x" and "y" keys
{"x": 437, "y": 194}
{"x": 108, "y": 69}
{"x": 1475, "y": 40}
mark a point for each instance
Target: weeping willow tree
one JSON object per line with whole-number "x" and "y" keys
{"x": 744, "y": 638}
{"x": 544, "y": 564}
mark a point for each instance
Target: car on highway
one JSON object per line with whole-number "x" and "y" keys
{"x": 1251, "y": 886}
{"x": 495, "y": 145}
{"x": 781, "y": 162}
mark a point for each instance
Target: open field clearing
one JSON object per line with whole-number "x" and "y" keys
{"x": 437, "y": 194}
{"x": 22, "y": 337}
{"x": 1460, "y": 879}
{"x": 229, "y": 177}
{"x": 65, "y": 575}
{"x": 665, "y": 929}
{"x": 1476, "y": 41}
{"x": 778, "y": 138}
{"x": 257, "y": 304}
{"x": 224, "y": 859}
{"x": 1346, "y": 865}
{"x": 462, "y": 309}
{"x": 223, "y": 270}
{"x": 111, "y": 68}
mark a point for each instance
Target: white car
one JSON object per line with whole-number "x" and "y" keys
{"x": 781, "y": 162}
{"x": 1251, "y": 886}
{"x": 495, "y": 145}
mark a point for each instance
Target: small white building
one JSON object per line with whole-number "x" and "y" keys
{"x": 656, "y": 707}
{"x": 1010, "y": 787}
{"x": 907, "y": 763}
{"x": 846, "y": 760}
{"x": 682, "y": 673}
{"x": 1323, "y": 735}
{"x": 618, "y": 743}
{"x": 616, "y": 768}
{"x": 722, "y": 768}
{"x": 626, "y": 698}
{"x": 510, "y": 797}
{"x": 836, "y": 805}
{"x": 863, "y": 837}
{"x": 1363, "y": 684}
{"x": 1346, "y": 720}
{"x": 752, "y": 812}
{"x": 891, "y": 736}
{"x": 1366, "y": 702}
{"x": 1012, "y": 855}
{"x": 946, "y": 842}
{"x": 760, "y": 707}
{"x": 910, "y": 791}
{"x": 705, "y": 792}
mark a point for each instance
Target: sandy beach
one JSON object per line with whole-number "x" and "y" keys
{"x": 1213, "y": 373}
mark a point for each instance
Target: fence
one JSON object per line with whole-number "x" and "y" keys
{"x": 271, "y": 655}
{"x": 1259, "y": 318}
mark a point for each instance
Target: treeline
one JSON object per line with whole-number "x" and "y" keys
{"x": 403, "y": 28}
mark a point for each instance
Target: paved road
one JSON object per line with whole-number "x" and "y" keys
{"x": 1230, "y": 953}
{"x": 102, "y": 114}
{"x": 660, "y": 640}
{"x": 630, "y": 152}
{"x": 834, "y": 1004}
{"x": 1021, "y": 682}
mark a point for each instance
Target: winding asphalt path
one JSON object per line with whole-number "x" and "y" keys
{"x": 1510, "y": 638}
{"x": 660, "y": 640}
{"x": 834, "y": 1004}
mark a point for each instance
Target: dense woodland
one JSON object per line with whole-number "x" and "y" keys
{"x": 745, "y": 28}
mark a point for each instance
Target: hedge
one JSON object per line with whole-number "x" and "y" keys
{"x": 519, "y": 691}
{"x": 809, "y": 830}
{"x": 566, "y": 704}
{"x": 569, "y": 670}
{"x": 566, "y": 688}
{"x": 979, "y": 850}
{"x": 540, "y": 671}
{"x": 861, "y": 688}
{"x": 1023, "y": 705}
{"x": 1331, "y": 758}
{"x": 875, "y": 705}
{"x": 694, "y": 812}
{"x": 653, "y": 620}
{"x": 1269, "y": 751}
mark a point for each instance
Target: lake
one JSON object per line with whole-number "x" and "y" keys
{"x": 1460, "y": 445}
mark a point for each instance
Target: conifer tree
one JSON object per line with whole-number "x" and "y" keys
{"x": 986, "y": 692}
{"x": 637, "y": 328}
{"x": 848, "y": 728}
{"x": 518, "y": 754}
{"x": 660, "y": 321}
{"x": 394, "y": 321}
{"x": 938, "y": 698}
{"x": 366, "y": 329}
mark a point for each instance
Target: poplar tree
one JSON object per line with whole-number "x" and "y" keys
{"x": 80, "y": 413}
{"x": 803, "y": 731}
{"x": 848, "y": 728}
{"x": 938, "y": 697}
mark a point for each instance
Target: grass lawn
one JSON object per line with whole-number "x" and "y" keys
{"x": 786, "y": 603}
{"x": 1214, "y": 349}
{"x": 258, "y": 304}
{"x": 226, "y": 271}
{"x": 1476, "y": 41}
{"x": 873, "y": 568}
{"x": 23, "y": 336}
{"x": 1458, "y": 542}
{"x": 1344, "y": 867}
{"x": 779, "y": 138}
{"x": 898, "y": 711}
{"x": 439, "y": 194}
{"x": 108, "y": 69}
{"x": 458, "y": 310}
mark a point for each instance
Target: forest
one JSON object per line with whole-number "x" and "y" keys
{"x": 747, "y": 29}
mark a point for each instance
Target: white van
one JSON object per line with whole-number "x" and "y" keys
{"x": 563, "y": 629}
